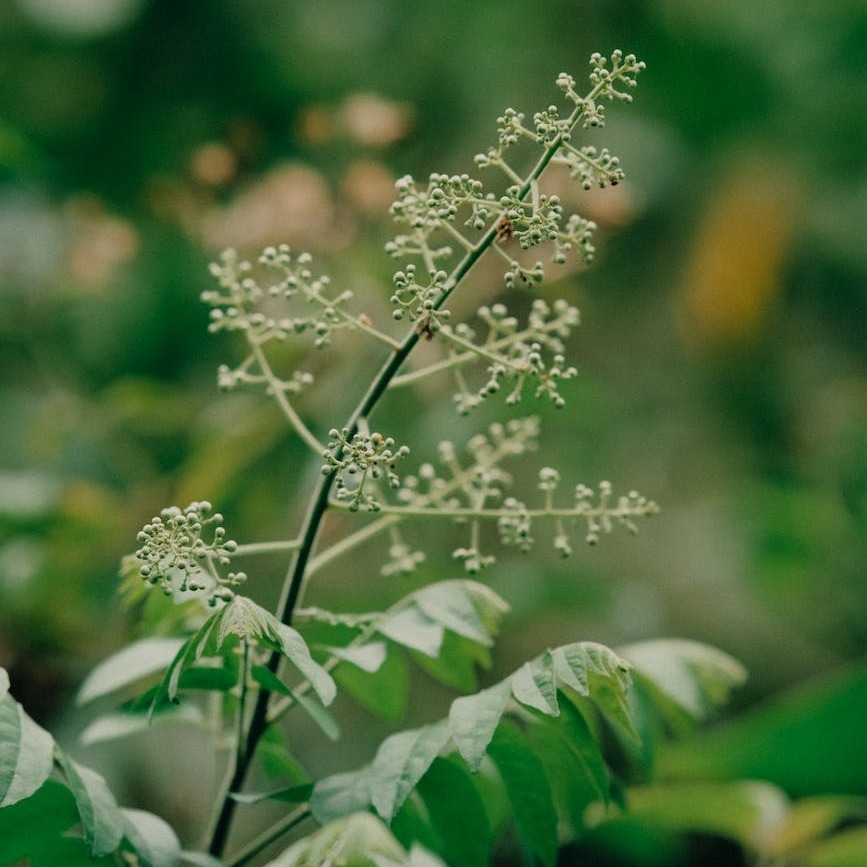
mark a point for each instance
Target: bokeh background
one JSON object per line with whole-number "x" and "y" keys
{"x": 721, "y": 354}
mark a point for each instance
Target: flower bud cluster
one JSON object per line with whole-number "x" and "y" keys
{"x": 602, "y": 515}
{"x": 517, "y": 357}
{"x": 402, "y": 560}
{"x": 514, "y": 525}
{"x": 359, "y": 461}
{"x": 181, "y": 550}
{"x": 592, "y": 167}
{"x": 417, "y": 302}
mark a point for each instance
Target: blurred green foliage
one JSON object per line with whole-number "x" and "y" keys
{"x": 722, "y": 354}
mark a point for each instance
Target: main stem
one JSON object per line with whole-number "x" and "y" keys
{"x": 318, "y": 505}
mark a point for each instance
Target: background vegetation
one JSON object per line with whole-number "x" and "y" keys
{"x": 721, "y": 355}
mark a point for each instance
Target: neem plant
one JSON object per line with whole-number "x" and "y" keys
{"x": 528, "y": 753}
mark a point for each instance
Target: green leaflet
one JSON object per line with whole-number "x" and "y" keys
{"x": 102, "y": 819}
{"x": 696, "y": 677}
{"x": 534, "y": 685}
{"x": 27, "y": 754}
{"x": 473, "y": 720}
{"x": 385, "y": 691}
{"x": 523, "y": 776}
{"x": 413, "y": 628}
{"x": 37, "y": 827}
{"x": 129, "y": 665}
{"x": 153, "y": 839}
{"x": 453, "y": 804}
{"x": 466, "y": 608}
{"x": 400, "y": 763}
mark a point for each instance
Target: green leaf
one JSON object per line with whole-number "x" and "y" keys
{"x": 190, "y": 652}
{"x": 454, "y": 805}
{"x": 323, "y": 718}
{"x": 275, "y": 758}
{"x": 523, "y": 775}
{"x": 473, "y": 719}
{"x": 129, "y": 665}
{"x": 741, "y": 811}
{"x": 368, "y": 657}
{"x": 27, "y": 753}
{"x": 400, "y": 763}
{"x": 212, "y": 678}
{"x": 533, "y": 685}
{"x": 455, "y": 606}
{"x": 35, "y": 831}
{"x": 845, "y": 849}
{"x": 101, "y": 817}
{"x": 457, "y": 662}
{"x": 385, "y": 691}
{"x": 152, "y": 838}
{"x": 4, "y": 683}
{"x": 119, "y": 725}
{"x": 414, "y": 629}
{"x": 583, "y": 752}
{"x": 695, "y": 676}
{"x": 359, "y": 840}
{"x": 340, "y": 795}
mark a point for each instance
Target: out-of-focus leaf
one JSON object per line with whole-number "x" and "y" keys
{"x": 368, "y": 657}
{"x": 101, "y": 817}
{"x": 129, "y": 665}
{"x": 414, "y": 629}
{"x": 804, "y": 741}
{"x": 457, "y": 662}
{"x": 464, "y": 607}
{"x": 276, "y": 759}
{"x": 212, "y": 678}
{"x": 523, "y": 775}
{"x": 845, "y": 849}
{"x": 35, "y": 831}
{"x": 4, "y": 683}
{"x": 811, "y": 819}
{"x": 454, "y": 805}
{"x": 695, "y": 676}
{"x": 401, "y": 762}
{"x": 358, "y": 840}
{"x": 742, "y": 811}
{"x": 474, "y": 718}
{"x": 340, "y": 795}
{"x": 119, "y": 725}
{"x": 290, "y": 794}
{"x": 385, "y": 691}
{"x": 153, "y": 839}
{"x": 27, "y": 754}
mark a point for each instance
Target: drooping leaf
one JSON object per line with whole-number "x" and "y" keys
{"x": 694, "y": 676}
{"x": 35, "y": 831}
{"x": 412, "y": 628}
{"x": 529, "y": 792}
{"x": 464, "y": 607}
{"x": 101, "y": 817}
{"x": 323, "y": 718}
{"x": 118, "y": 725}
{"x": 153, "y": 839}
{"x": 358, "y": 840}
{"x": 400, "y": 763}
{"x": 368, "y": 657}
{"x": 385, "y": 691}
{"x": 26, "y": 755}
{"x": 128, "y": 665}
{"x": 474, "y": 718}
{"x": 572, "y": 747}
{"x": 456, "y": 665}
{"x": 454, "y": 805}
{"x": 341, "y": 795}
{"x": 533, "y": 685}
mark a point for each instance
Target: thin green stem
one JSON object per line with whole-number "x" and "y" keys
{"x": 275, "y": 388}
{"x": 253, "y": 548}
{"x": 266, "y": 838}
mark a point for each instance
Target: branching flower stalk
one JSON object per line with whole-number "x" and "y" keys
{"x": 353, "y": 456}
